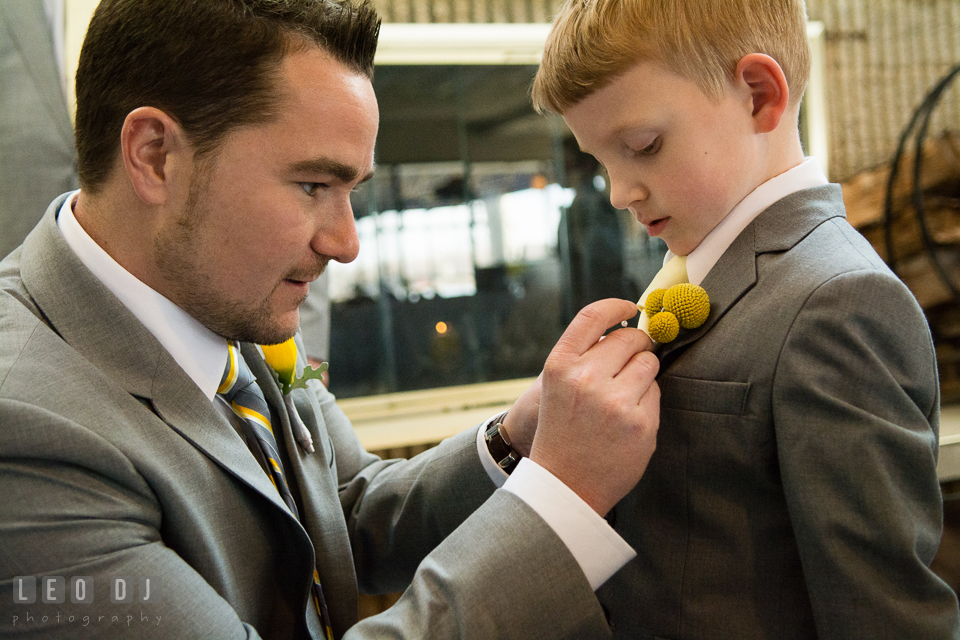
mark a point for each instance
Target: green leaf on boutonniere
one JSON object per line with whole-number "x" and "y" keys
{"x": 309, "y": 373}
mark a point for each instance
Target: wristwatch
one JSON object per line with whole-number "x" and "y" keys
{"x": 498, "y": 444}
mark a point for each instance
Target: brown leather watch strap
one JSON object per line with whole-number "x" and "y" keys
{"x": 498, "y": 444}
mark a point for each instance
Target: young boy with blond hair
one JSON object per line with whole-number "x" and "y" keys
{"x": 794, "y": 490}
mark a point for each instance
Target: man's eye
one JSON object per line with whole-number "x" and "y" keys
{"x": 311, "y": 188}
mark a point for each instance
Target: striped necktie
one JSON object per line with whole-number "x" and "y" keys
{"x": 239, "y": 388}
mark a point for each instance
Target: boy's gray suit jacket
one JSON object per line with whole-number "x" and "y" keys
{"x": 113, "y": 463}
{"x": 794, "y": 491}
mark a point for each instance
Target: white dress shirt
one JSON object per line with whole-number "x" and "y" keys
{"x": 202, "y": 354}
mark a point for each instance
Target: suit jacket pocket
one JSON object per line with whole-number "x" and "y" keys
{"x": 703, "y": 396}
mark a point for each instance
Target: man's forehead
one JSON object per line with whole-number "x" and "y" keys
{"x": 327, "y": 118}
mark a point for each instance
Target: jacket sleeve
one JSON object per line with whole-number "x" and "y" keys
{"x": 397, "y": 511}
{"x": 474, "y": 562}
{"x": 856, "y": 415}
{"x": 73, "y": 506}
{"x": 502, "y": 574}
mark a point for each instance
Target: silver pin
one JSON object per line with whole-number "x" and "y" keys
{"x": 300, "y": 431}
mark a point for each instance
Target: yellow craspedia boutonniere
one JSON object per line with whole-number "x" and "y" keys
{"x": 684, "y": 306}
{"x": 282, "y": 358}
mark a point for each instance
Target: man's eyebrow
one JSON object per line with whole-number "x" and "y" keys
{"x": 339, "y": 170}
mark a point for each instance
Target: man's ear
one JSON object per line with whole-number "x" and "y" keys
{"x": 764, "y": 80}
{"x": 151, "y": 142}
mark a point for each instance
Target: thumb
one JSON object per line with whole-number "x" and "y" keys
{"x": 590, "y": 324}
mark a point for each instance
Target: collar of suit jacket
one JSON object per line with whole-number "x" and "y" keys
{"x": 200, "y": 353}
{"x": 804, "y": 176}
{"x": 778, "y": 228}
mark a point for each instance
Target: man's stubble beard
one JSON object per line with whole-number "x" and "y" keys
{"x": 191, "y": 288}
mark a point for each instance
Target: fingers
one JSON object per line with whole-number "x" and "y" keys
{"x": 591, "y": 323}
{"x": 639, "y": 372}
{"x": 606, "y": 358}
{"x": 598, "y": 440}
{"x": 617, "y": 348}
{"x": 630, "y": 388}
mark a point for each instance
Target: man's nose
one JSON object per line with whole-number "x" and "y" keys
{"x": 337, "y": 234}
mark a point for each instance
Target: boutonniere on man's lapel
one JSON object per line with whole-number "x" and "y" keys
{"x": 282, "y": 359}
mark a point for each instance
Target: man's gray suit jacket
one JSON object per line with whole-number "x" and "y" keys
{"x": 793, "y": 492}
{"x": 37, "y": 158}
{"x": 113, "y": 463}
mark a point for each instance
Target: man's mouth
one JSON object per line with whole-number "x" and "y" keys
{"x": 306, "y": 277}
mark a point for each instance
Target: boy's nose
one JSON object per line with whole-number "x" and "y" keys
{"x": 624, "y": 193}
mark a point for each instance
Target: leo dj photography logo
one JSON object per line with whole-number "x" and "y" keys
{"x": 34, "y": 594}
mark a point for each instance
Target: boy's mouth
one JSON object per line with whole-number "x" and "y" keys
{"x": 655, "y": 227}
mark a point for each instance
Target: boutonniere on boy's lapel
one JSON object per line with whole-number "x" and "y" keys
{"x": 671, "y": 302}
{"x": 683, "y": 305}
{"x": 282, "y": 359}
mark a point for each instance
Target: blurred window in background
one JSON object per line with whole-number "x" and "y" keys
{"x": 467, "y": 225}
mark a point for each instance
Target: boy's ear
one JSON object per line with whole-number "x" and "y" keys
{"x": 764, "y": 80}
{"x": 149, "y": 142}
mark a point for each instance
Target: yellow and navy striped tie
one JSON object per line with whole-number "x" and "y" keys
{"x": 239, "y": 388}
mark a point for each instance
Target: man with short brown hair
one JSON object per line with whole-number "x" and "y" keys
{"x": 144, "y": 439}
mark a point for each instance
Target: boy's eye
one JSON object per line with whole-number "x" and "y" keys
{"x": 650, "y": 149}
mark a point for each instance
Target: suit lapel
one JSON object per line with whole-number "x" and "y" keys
{"x": 315, "y": 481}
{"x": 734, "y": 274}
{"x": 30, "y": 33}
{"x": 179, "y": 402}
{"x": 97, "y": 325}
{"x": 778, "y": 228}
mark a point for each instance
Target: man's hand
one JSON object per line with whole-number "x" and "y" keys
{"x": 521, "y": 421}
{"x": 599, "y": 406}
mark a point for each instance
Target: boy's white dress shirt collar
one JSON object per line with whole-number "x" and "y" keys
{"x": 804, "y": 176}
{"x": 201, "y": 353}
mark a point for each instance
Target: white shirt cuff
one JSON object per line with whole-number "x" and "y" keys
{"x": 596, "y": 547}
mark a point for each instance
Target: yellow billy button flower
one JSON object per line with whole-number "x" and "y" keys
{"x": 282, "y": 358}
{"x": 684, "y": 306}
{"x": 664, "y": 327}
{"x": 654, "y": 302}
{"x": 673, "y": 271}
{"x": 689, "y": 302}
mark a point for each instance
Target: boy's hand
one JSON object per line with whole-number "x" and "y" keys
{"x": 599, "y": 406}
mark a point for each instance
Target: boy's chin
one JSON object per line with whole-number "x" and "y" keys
{"x": 680, "y": 248}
